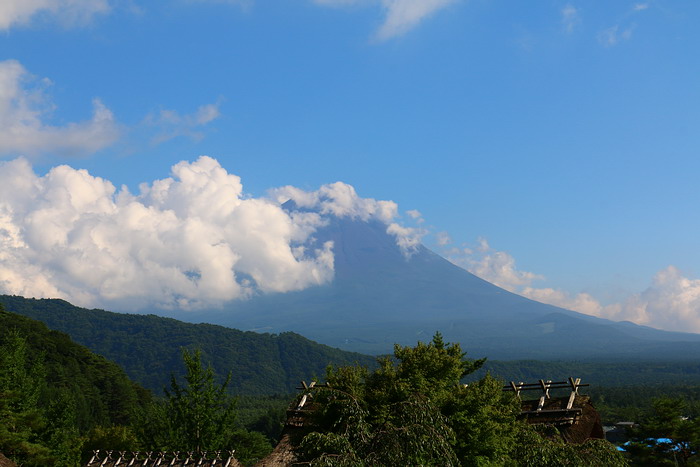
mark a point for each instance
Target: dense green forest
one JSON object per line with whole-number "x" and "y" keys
{"x": 148, "y": 347}
{"x": 54, "y": 391}
{"x": 98, "y": 389}
{"x": 58, "y": 400}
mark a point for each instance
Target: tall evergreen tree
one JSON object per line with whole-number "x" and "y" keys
{"x": 21, "y": 419}
{"x": 202, "y": 412}
{"x": 198, "y": 415}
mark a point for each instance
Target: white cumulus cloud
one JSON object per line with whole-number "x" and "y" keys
{"x": 497, "y": 267}
{"x": 24, "y": 109}
{"x": 671, "y": 302}
{"x": 188, "y": 241}
{"x": 68, "y": 12}
{"x": 340, "y": 199}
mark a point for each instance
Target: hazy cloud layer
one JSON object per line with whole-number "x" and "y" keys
{"x": 25, "y": 108}
{"x": 171, "y": 124}
{"x": 623, "y": 30}
{"x": 400, "y": 16}
{"x": 671, "y": 302}
{"x": 570, "y": 18}
{"x": 614, "y": 35}
{"x": 68, "y": 12}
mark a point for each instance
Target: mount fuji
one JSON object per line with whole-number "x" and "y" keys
{"x": 380, "y": 296}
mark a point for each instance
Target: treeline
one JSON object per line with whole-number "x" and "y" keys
{"x": 148, "y": 347}
{"x": 619, "y": 373}
{"x": 636, "y": 403}
{"x": 59, "y": 402}
{"x": 53, "y": 392}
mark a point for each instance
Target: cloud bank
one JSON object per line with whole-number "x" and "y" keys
{"x": 189, "y": 241}
{"x": 671, "y": 302}
{"x": 68, "y": 12}
{"x": 25, "y": 108}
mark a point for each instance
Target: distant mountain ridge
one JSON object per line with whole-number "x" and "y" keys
{"x": 148, "y": 347}
{"x": 380, "y": 297}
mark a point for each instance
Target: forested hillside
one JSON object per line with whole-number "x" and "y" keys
{"x": 100, "y": 391}
{"x": 148, "y": 347}
{"x": 53, "y": 392}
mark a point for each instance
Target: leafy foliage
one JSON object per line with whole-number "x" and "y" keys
{"x": 412, "y": 410}
{"x": 544, "y": 448}
{"x": 406, "y": 412}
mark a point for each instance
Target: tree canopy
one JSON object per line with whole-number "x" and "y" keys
{"x": 414, "y": 410}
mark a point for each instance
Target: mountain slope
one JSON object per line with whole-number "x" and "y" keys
{"x": 149, "y": 347}
{"x": 97, "y": 389}
{"x": 379, "y": 297}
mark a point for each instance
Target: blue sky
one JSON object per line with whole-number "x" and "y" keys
{"x": 550, "y": 147}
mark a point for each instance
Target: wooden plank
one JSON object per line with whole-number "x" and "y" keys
{"x": 541, "y": 404}
{"x": 301, "y": 403}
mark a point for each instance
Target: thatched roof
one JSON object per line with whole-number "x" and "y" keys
{"x": 282, "y": 456}
{"x": 576, "y": 426}
{"x": 299, "y": 423}
{"x": 5, "y": 462}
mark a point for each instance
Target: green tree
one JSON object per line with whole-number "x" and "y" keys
{"x": 398, "y": 414}
{"x": 484, "y": 418}
{"x": 413, "y": 410}
{"x": 202, "y": 412}
{"x": 34, "y": 430}
{"x": 544, "y": 447}
{"x": 199, "y": 415}
{"x": 20, "y": 388}
{"x": 667, "y": 436}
